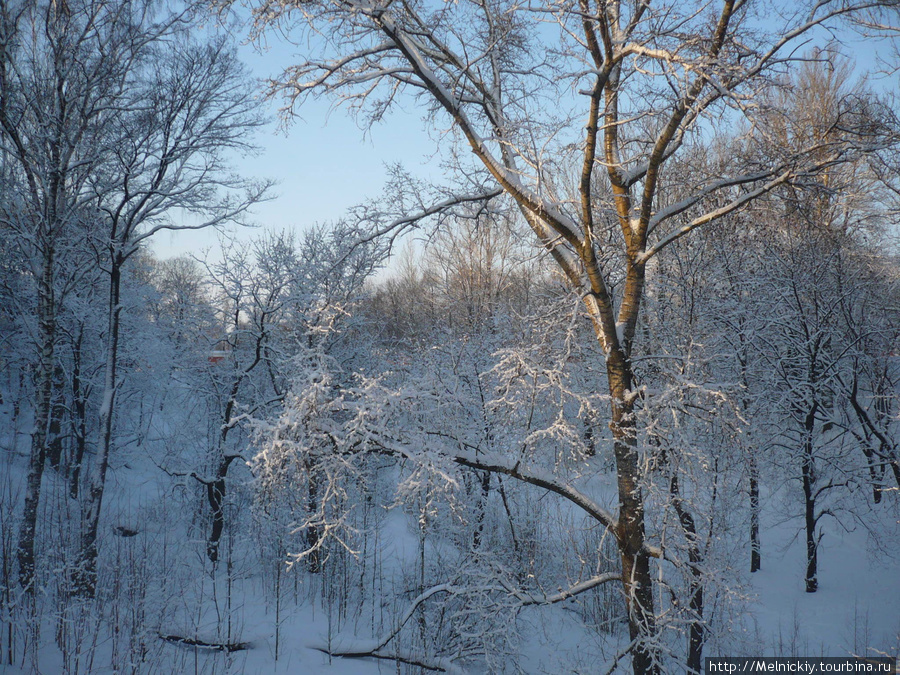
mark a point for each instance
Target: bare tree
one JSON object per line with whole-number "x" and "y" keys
{"x": 825, "y": 223}
{"x": 625, "y": 86}
{"x": 113, "y": 117}
{"x": 61, "y": 72}
{"x": 278, "y": 296}
{"x": 188, "y": 103}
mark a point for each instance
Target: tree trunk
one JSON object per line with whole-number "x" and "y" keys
{"x": 697, "y": 632}
{"x": 47, "y": 341}
{"x": 215, "y": 495}
{"x": 590, "y": 449}
{"x": 79, "y": 419}
{"x": 484, "y": 481}
{"x": 809, "y": 502}
{"x": 636, "y": 580}
{"x": 755, "y": 547}
{"x": 57, "y": 412}
{"x": 85, "y": 573}
{"x": 314, "y": 561}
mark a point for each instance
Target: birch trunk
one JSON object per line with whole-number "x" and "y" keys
{"x": 85, "y": 573}
{"x": 47, "y": 341}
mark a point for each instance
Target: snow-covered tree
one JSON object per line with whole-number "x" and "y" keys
{"x": 581, "y": 131}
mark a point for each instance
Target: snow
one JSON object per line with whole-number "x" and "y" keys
{"x": 855, "y": 611}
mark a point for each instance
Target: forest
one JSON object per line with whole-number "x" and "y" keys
{"x": 616, "y": 389}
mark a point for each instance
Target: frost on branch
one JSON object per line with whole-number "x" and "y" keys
{"x": 450, "y": 466}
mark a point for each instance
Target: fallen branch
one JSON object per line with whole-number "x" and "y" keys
{"x": 372, "y": 648}
{"x": 397, "y": 657}
{"x": 194, "y": 642}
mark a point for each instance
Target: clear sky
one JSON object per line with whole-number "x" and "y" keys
{"x": 323, "y": 163}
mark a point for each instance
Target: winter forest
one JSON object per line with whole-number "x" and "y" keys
{"x": 614, "y": 389}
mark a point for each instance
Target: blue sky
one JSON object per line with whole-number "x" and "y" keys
{"x": 323, "y": 162}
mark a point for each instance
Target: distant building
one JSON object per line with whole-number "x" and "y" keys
{"x": 220, "y": 352}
